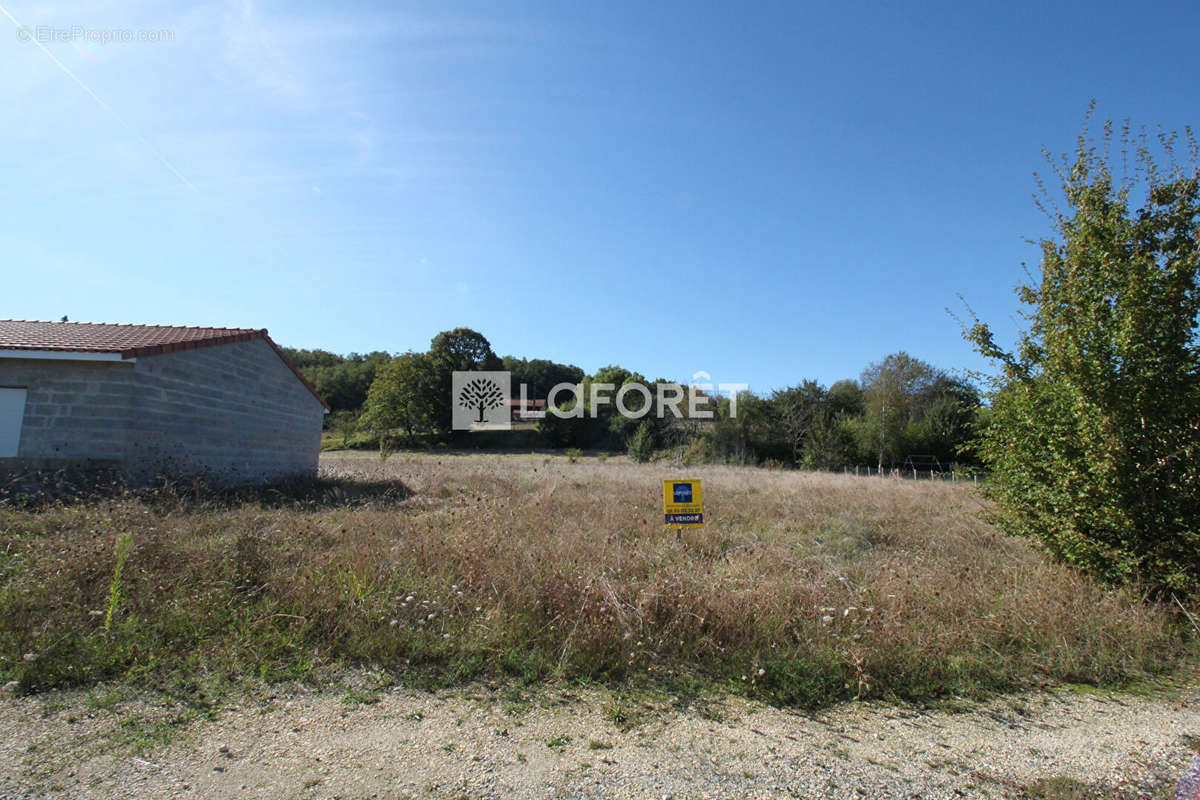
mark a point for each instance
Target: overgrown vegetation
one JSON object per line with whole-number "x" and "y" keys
{"x": 899, "y": 407}
{"x": 1094, "y": 441}
{"x": 804, "y": 589}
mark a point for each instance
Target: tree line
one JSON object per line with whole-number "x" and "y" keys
{"x": 898, "y": 407}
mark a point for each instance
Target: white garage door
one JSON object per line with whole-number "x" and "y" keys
{"x": 12, "y": 411}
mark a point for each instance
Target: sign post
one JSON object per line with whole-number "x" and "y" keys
{"x": 683, "y": 504}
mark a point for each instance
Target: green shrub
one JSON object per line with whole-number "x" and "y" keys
{"x": 696, "y": 452}
{"x": 1092, "y": 440}
{"x": 641, "y": 444}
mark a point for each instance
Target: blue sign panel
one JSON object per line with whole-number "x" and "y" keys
{"x": 683, "y": 493}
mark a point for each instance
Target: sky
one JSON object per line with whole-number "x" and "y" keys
{"x": 766, "y": 192}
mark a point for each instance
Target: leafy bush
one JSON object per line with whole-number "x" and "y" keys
{"x": 1093, "y": 438}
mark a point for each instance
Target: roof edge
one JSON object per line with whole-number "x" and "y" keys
{"x": 296, "y": 372}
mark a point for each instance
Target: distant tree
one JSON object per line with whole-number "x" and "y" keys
{"x": 794, "y": 409}
{"x": 641, "y": 444}
{"x": 619, "y": 429}
{"x": 830, "y": 441}
{"x": 540, "y": 375}
{"x": 944, "y": 421}
{"x": 311, "y": 358}
{"x": 342, "y": 380}
{"x": 1094, "y": 433}
{"x": 462, "y": 350}
{"x": 891, "y": 389}
{"x": 845, "y": 397}
{"x": 405, "y": 394}
{"x": 744, "y": 437}
{"x": 344, "y": 422}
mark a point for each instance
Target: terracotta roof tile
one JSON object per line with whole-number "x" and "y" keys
{"x": 131, "y": 341}
{"x": 92, "y": 337}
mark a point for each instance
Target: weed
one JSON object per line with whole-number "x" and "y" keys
{"x": 124, "y": 542}
{"x": 355, "y": 697}
{"x": 1064, "y": 788}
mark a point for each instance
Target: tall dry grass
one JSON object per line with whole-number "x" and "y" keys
{"x": 802, "y": 588}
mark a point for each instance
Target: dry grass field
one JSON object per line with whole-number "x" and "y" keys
{"x": 802, "y": 590}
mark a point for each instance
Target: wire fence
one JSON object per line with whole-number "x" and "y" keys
{"x": 915, "y": 474}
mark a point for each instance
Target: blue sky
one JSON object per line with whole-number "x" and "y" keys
{"x": 763, "y": 191}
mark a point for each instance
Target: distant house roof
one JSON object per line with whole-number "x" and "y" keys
{"x": 129, "y": 341}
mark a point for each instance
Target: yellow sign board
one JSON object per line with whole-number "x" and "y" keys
{"x": 683, "y": 503}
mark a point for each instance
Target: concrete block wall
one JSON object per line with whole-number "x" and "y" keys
{"x": 232, "y": 412}
{"x": 74, "y": 410}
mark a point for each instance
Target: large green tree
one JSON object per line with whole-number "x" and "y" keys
{"x": 1094, "y": 435}
{"x": 461, "y": 349}
{"x": 405, "y": 395}
{"x": 892, "y": 389}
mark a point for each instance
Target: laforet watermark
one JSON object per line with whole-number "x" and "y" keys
{"x": 480, "y": 400}
{"x": 80, "y": 34}
{"x": 484, "y": 401}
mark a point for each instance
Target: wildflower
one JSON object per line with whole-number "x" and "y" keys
{"x": 826, "y": 619}
{"x": 394, "y": 622}
{"x": 410, "y": 598}
{"x": 30, "y": 656}
{"x": 431, "y": 616}
{"x": 761, "y": 672}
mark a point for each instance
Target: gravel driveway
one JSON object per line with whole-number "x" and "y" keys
{"x": 472, "y": 744}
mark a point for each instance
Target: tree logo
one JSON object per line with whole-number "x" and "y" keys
{"x": 480, "y": 400}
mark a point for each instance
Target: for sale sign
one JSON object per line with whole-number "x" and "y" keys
{"x": 683, "y": 503}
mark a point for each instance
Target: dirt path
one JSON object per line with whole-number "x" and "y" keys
{"x": 473, "y": 745}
